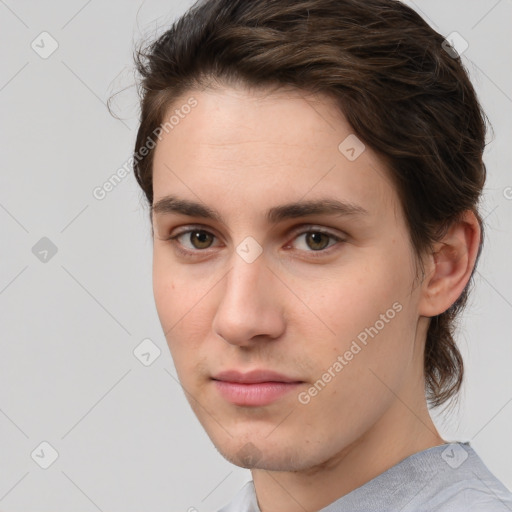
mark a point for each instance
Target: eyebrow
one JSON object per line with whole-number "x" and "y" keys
{"x": 326, "y": 206}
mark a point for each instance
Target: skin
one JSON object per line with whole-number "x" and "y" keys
{"x": 242, "y": 152}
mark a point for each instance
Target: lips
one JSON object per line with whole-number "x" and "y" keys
{"x": 255, "y": 388}
{"x": 253, "y": 376}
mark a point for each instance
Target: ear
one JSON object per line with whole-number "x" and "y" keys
{"x": 450, "y": 266}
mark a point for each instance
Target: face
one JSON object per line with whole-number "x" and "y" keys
{"x": 295, "y": 260}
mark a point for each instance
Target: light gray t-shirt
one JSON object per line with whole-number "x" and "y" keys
{"x": 446, "y": 478}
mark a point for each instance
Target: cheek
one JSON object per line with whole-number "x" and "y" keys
{"x": 183, "y": 312}
{"x": 173, "y": 293}
{"x": 164, "y": 293}
{"x": 358, "y": 368}
{"x": 357, "y": 298}
{"x": 369, "y": 310}
{"x": 171, "y": 303}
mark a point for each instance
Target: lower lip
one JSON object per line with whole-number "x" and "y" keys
{"x": 256, "y": 394}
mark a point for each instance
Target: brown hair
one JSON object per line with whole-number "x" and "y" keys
{"x": 388, "y": 71}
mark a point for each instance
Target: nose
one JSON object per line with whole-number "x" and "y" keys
{"x": 250, "y": 308}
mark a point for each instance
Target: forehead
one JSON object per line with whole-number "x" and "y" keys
{"x": 250, "y": 150}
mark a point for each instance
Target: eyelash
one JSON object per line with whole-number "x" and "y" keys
{"x": 191, "y": 254}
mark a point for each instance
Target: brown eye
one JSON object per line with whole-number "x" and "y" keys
{"x": 317, "y": 240}
{"x": 192, "y": 242}
{"x": 199, "y": 239}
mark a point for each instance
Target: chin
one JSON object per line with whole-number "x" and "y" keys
{"x": 264, "y": 455}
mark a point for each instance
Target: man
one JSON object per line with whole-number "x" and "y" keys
{"x": 313, "y": 170}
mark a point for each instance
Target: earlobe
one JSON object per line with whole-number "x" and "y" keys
{"x": 451, "y": 265}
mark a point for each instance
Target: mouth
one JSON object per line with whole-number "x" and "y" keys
{"x": 256, "y": 388}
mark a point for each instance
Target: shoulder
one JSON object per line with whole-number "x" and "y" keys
{"x": 472, "y": 496}
{"x": 465, "y": 485}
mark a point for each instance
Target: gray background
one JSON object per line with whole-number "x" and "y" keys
{"x": 126, "y": 438}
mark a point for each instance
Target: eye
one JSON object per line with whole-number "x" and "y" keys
{"x": 317, "y": 240}
{"x": 193, "y": 241}
{"x": 198, "y": 238}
